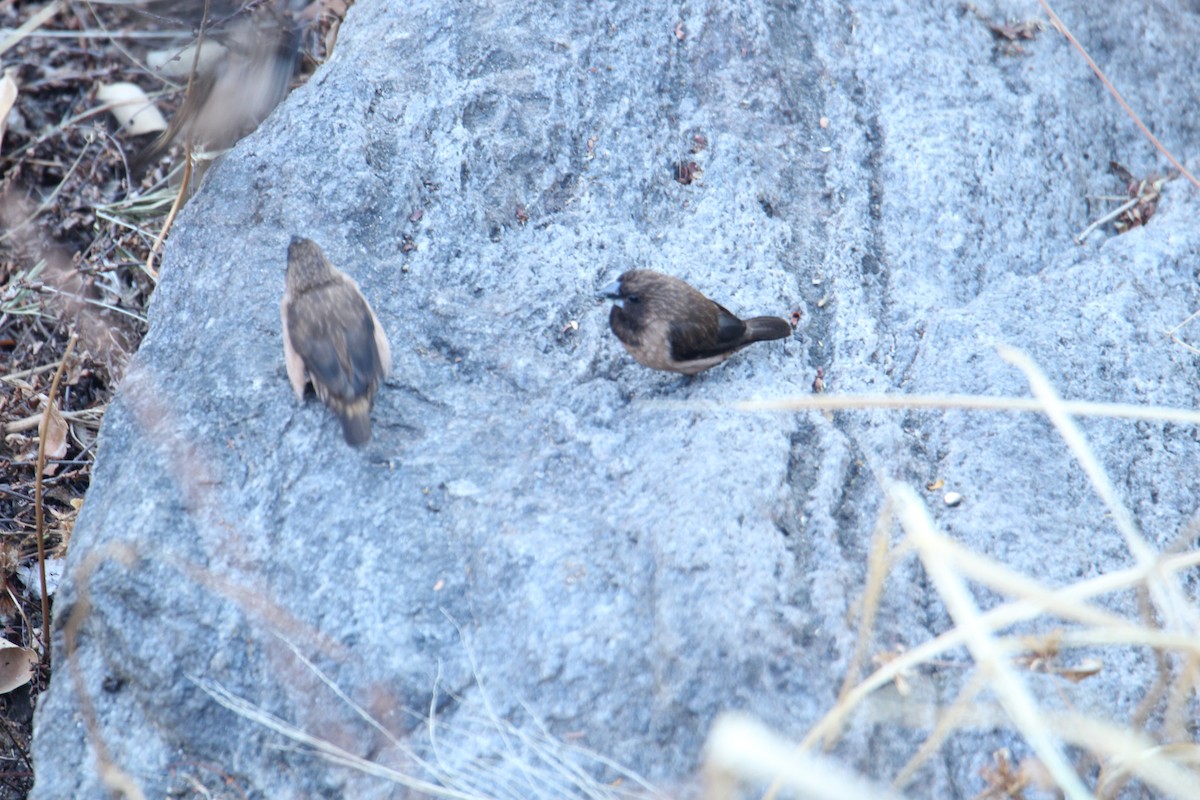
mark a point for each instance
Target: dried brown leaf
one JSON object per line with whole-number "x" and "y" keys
{"x": 133, "y": 110}
{"x": 8, "y": 96}
{"x": 56, "y": 440}
{"x": 16, "y": 665}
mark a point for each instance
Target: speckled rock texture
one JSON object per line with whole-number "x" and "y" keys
{"x": 550, "y": 553}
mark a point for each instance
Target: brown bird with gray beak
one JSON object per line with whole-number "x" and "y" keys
{"x": 666, "y": 324}
{"x": 332, "y": 339}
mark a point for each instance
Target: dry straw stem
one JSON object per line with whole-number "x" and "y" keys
{"x": 1173, "y": 334}
{"x": 1004, "y": 680}
{"x": 1001, "y": 617}
{"x": 175, "y": 206}
{"x": 1154, "y": 572}
{"x": 39, "y": 512}
{"x": 327, "y": 750}
{"x": 1128, "y": 752}
{"x": 187, "y": 156}
{"x": 562, "y": 776}
{"x": 1178, "y": 613}
{"x": 1082, "y": 236}
{"x": 88, "y": 416}
{"x": 877, "y": 569}
{"x": 29, "y": 373}
{"x": 337, "y": 690}
{"x": 825, "y": 402}
{"x": 1000, "y": 578}
{"x": 950, "y": 720}
{"x": 744, "y": 749}
{"x": 560, "y": 779}
{"x": 29, "y": 26}
{"x": 1062, "y": 28}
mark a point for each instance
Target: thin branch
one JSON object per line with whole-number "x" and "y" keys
{"x": 39, "y": 513}
{"x": 35, "y": 420}
{"x": 187, "y": 158}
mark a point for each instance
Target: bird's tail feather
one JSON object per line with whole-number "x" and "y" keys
{"x": 356, "y": 422}
{"x": 760, "y": 329}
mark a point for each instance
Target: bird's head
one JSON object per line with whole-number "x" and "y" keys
{"x": 630, "y": 291}
{"x": 307, "y": 265}
{"x": 638, "y": 297}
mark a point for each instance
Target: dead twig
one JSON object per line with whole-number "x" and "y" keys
{"x": 162, "y": 234}
{"x": 35, "y": 420}
{"x": 187, "y": 157}
{"x": 1109, "y": 217}
{"x": 39, "y": 512}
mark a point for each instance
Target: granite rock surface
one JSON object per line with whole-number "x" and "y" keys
{"x": 551, "y": 553}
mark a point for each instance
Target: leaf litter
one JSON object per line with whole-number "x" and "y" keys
{"x": 84, "y": 91}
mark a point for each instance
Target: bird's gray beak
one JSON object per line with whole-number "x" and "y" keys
{"x": 612, "y": 292}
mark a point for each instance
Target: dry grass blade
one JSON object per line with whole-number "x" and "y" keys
{"x": 88, "y": 416}
{"x": 27, "y": 373}
{"x": 1130, "y": 753}
{"x": 533, "y": 766}
{"x": 877, "y": 568}
{"x": 30, "y": 25}
{"x": 560, "y": 778}
{"x": 1177, "y": 611}
{"x": 1000, "y": 578}
{"x": 953, "y": 563}
{"x": 740, "y": 748}
{"x": 1001, "y": 617}
{"x": 1173, "y": 334}
{"x": 451, "y": 786}
{"x": 948, "y": 722}
{"x": 1077, "y": 408}
{"x": 1126, "y": 634}
{"x": 1082, "y": 236}
{"x": 1006, "y": 683}
{"x": 320, "y": 747}
{"x": 337, "y": 690}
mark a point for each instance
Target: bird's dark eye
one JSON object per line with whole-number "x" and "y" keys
{"x": 633, "y": 298}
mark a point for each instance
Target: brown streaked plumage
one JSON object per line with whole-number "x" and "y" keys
{"x": 666, "y": 324}
{"x": 249, "y": 56}
{"x": 332, "y": 339}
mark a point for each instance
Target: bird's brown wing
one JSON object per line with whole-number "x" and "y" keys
{"x": 333, "y": 330}
{"x": 291, "y": 359}
{"x": 696, "y": 337}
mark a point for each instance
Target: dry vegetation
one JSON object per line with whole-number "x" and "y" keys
{"x": 85, "y": 197}
{"x": 81, "y": 221}
{"x": 1039, "y": 636}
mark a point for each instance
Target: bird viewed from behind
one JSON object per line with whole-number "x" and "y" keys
{"x": 332, "y": 339}
{"x": 666, "y": 324}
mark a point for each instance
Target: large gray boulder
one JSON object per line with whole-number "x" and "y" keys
{"x": 547, "y": 550}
